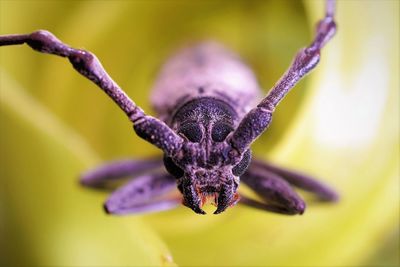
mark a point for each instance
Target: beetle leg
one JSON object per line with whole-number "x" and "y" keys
{"x": 300, "y": 180}
{"x": 101, "y": 177}
{"x": 147, "y": 193}
{"x": 259, "y": 118}
{"x": 278, "y": 195}
{"x": 275, "y": 208}
{"x": 86, "y": 63}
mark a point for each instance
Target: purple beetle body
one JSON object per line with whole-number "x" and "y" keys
{"x": 205, "y": 70}
{"x": 203, "y": 92}
{"x": 209, "y": 113}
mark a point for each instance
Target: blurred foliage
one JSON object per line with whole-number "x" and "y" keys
{"x": 341, "y": 123}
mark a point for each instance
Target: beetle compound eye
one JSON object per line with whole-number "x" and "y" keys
{"x": 192, "y": 131}
{"x": 220, "y": 131}
{"x": 242, "y": 166}
{"x": 171, "y": 167}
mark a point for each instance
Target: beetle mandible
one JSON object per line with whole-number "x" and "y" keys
{"x": 206, "y": 99}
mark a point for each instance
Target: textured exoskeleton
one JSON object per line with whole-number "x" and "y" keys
{"x": 210, "y": 111}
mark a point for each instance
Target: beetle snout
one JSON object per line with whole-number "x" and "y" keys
{"x": 216, "y": 187}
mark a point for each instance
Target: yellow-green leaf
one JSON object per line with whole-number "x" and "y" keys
{"x": 46, "y": 217}
{"x": 340, "y": 124}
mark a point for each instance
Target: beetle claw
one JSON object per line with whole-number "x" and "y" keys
{"x": 190, "y": 198}
{"x": 225, "y": 198}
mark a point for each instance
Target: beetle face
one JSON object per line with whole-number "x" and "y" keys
{"x": 207, "y": 168}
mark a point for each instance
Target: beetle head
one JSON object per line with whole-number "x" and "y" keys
{"x": 207, "y": 168}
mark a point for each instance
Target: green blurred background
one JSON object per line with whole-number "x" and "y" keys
{"x": 341, "y": 124}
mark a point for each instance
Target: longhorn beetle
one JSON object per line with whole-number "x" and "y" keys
{"x": 208, "y": 119}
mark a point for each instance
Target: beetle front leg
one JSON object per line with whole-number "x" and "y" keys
{"x": 278, "y": 195}
{"x": 148, "y": 193}
{"x": 101, "y": 177}
{"x": 300, "y": 180}
{"x": 259, "y": 118}
{"x": 87, "y": 64}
